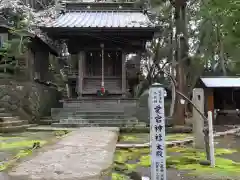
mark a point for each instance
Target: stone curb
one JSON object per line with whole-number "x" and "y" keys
{"x": 177, "y": 143}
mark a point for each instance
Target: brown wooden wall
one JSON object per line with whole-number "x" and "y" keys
{"x": 41, "y": 63}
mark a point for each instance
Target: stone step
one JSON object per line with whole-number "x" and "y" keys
{"x": 10, "y": 118}
{"x": 97, "y": 116}
{"x": 90, "y": 121}
{"x": 3, "y": 114}
{"x": 2, "y": 109}
{"x": 65, "y": 125}
{"x": 96, "y": 112}
{"x": 86, "y": 113}
{"x": 12, "y": 123}
{"x": 96, "y": 109}
{"x": 47, "y": 121}
{"x": 100, "y": 113}
{"x": 90, "y": 110}
{"x": 10, "y": 129}
{"x": 100, "y": 105}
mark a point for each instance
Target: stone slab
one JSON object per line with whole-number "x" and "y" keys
{"x": 50, "y": 128}
{"x": 84, "y": 154}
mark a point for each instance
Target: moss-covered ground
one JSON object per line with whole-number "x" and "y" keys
{"x": 184, "y": 158}
{"x": 14, "y": 147}
{"x": 144, "y": 137}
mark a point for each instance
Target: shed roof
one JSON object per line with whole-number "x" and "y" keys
{"x": 215, "y": 82}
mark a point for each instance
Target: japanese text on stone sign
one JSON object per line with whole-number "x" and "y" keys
{"x": 158, "y": 167}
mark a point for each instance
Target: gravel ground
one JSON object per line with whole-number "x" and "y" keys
{"x": 222, "y": 142}
{"x": 172, "y": 174}
{"x": 231, "y": 142}
{"x": 218, "y": 128}
{"x": 228, "y": 141}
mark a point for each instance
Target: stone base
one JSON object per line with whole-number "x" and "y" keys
{"x": 9, "y": 124}
{"x": 65, "y": 125}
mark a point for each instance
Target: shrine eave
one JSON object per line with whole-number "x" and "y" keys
{"x": 102, "y": 29}
{"x": 102, "y": 21}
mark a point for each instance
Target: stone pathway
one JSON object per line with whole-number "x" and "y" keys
{"x": 85, "y": 154}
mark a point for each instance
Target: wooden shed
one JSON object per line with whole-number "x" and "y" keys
{"x": 36, "y": 58}
{"x": 222, "y": 95}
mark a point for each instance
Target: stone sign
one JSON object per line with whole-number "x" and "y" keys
{"x": 157, "y": 132}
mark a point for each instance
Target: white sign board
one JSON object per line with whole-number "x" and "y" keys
{"x": 157, "y": 132}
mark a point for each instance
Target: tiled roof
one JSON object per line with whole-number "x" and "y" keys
{"x": 221, "y": 81}
{"x": 102, "y": 19}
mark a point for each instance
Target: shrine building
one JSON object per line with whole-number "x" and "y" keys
{"x": 99, "y": 36}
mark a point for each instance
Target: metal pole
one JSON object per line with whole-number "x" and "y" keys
{"x": 102, "y": 47}
{"x": 157, "y": 131}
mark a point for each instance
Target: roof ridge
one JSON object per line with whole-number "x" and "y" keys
{"x": 131, "y": 6}
{"x": 104, "y": 10}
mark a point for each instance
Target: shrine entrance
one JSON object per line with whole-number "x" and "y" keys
{"x": 103, "y": 68}
{"x": 111, "y": 66}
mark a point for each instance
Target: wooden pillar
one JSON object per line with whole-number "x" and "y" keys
{"x": 210, "y": 102}
{"x": 81, "y": 59}
{"x": 123, "y": 73}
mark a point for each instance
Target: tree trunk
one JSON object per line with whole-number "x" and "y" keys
{"x": 221, "y": 52}
{"x": 172, "y": 66}
{"x": 181, "y": 56}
